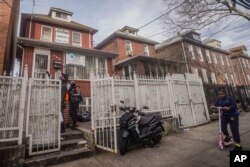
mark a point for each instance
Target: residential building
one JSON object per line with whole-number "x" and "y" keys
{"x": 9, "y": 12}
{"x": 241, "y": 65}
{"x": 206, "y": 59}
{"x": 135, "y": 53}
{"x": 55, "y": 43}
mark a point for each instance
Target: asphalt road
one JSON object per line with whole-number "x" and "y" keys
{"x": 196, "y": 147}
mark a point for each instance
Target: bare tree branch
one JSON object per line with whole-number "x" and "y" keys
{"x": 197, "y": 14}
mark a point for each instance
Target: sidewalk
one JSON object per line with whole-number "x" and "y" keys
{"x": 189, "y": 148}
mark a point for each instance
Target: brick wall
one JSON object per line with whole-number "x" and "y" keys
{"x": 87, "y": 42}
{"x": 118, "y": 45}
{"x": 8, "y": 27}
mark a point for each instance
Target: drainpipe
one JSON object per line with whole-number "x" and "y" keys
{"x": 21, "y": 71}
{"x": 243, "y": 72}
{"x": 185, "y": 57}
{"x": 90, "y": 38}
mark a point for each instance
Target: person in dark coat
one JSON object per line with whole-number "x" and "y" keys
{"x": 230, "y": 116}
{"x": 64, "y": 81}
{"x": 75, "y": 99}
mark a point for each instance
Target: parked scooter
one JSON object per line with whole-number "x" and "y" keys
{"x": 137, "y": 127}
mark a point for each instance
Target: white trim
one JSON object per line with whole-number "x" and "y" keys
{"x": 200, "y": 53}
{"x": 72, "y": 32}
{"x": 51, "y": 34}
{"x": 42, "y": 52}
{"x": 147, "y": 49}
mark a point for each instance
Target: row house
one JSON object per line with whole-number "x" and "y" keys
{"x": 9, "y": 14}
{"x": 135, "y": 53}
{"x": 54, "y": 43}
{"x": 206, "y": 59}
{"x": 241, "y": 65}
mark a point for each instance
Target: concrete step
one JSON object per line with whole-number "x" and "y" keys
{"x": 71, "y": 134}
{"x": 73, "y": 144}
{"x": 57, "y": 157}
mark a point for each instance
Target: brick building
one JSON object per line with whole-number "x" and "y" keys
{"x": 9, "y": 11}
{"x": 135, "y": 53}
{"x": 206, "y": 59}
{"x": 55, "y": 43}
{"x": 241, "y": 65}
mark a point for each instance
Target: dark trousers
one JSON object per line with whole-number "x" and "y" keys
{"x": 73, "y": 113}
{"x": 233, "y": 121}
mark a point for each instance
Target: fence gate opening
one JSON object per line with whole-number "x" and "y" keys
{"x": 43, "y": 109}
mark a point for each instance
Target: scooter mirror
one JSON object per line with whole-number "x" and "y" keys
{"x": 122, "y": 102}
{"x": 145, "y": 107}
{"x": 122, "y": 108}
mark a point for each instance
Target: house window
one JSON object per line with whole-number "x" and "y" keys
{"x": 248, "y": 77}
{"x": 61, "y": 35}
{"x": 200, "y": 53}
{"x": 195, "y": 71}
{"x": 145, "y": 50}
{"x": 244, "y": 63}
{"x": 76, "y": 39}
{"x": 221, "y": 59}
{"x": 191, "y": 49}
{"x": 226, "y": 77}
{"x": 101, "y": 66}
{"x": 214, "y": 58}
{"x": 46, "y": 34}
{"x": 208, "y": 56}
{"x": 128, "y": 72}
{"x": 248, "y": 64}
{"x": 232, "y": 78}
{"x": 41, "y": 65}
{"x": 128, "y": 46}
{"x": 204, "y": 75}
{"x": 227, "y": 60}
{"x": 61, "y": 15}
{"x": 213, "y": 77}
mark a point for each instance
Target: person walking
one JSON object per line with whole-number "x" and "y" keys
{"x": 64, "y": 82}
{"x": 230, "y": 116}
{"x": 75, "y": 99}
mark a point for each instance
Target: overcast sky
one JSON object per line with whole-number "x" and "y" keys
{"x": 109, "y": 15}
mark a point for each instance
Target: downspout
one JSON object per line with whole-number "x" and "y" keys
{"x": 21, "y": 71}
{"x": 185, "y": 57}
{"x": 243, "y": 72}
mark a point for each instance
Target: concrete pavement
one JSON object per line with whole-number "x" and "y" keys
{"x": 188, "y": 148}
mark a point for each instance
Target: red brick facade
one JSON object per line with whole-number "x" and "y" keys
{"x": 8, "y": 29}
{"x": 191, "y": 61}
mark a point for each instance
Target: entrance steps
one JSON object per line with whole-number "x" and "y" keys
{"x": 73, "y": 147}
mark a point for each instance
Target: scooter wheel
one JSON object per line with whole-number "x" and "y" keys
{"x": 123, "y": 145}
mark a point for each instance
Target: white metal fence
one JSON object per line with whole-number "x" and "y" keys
{"x": 32, "y": 102}
{"x": 173, "y": 96}
{"x": 12, "y": 89}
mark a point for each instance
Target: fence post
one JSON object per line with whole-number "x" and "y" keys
{"x": 22, "y": 104}
{"x": 190, "y": 100}
{"x": 137, "y": 103}
{"x": 92, "y": 99}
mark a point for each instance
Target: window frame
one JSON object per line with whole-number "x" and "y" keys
{"x": 214, "y": 58}
{"x": 191, "y": 49}
{"x": 222, "y": 60}
{"x": 40, "y": 52}
{"x": 130, "y": 46}
{"x": 51, "y": 33}
{"x": 208, "y": 56}
{"x": 145, "y": 46}
{"x": 72, "y": 39}
{"x": 200, "y": 53}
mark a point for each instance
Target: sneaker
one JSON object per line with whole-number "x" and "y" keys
{"x": 237, "y": 147}
{"x": 228, "y": 141}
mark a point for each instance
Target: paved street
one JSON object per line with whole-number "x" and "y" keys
{"x": 189, "y": 148}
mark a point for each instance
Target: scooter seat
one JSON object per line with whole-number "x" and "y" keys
{"x": 146, "y": 120}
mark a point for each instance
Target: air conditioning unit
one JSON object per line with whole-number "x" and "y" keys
{"x": 129, "y": 53}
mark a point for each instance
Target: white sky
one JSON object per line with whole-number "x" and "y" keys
{"x": 109, "y": 15}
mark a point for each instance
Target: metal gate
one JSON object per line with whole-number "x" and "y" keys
{"x": 176, "y": 96}
{"x": 104, "y": 114}
{"x": 190, "y": 101}
{"x": 43, "y": 109}
{"x": 12, "y": 101}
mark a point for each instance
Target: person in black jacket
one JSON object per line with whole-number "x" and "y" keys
{"x": 75, "y": 99}
{"x": 230, "y": 116}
